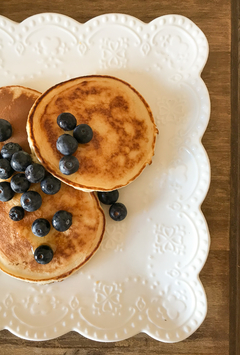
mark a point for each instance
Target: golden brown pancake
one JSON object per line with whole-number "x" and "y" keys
{"x": 15, "y": 103}
{"x": 72, "y": 248}
{"x": 124, "y": 131}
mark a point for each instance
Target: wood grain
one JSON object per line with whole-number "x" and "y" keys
{"x": 214, "y": 18}
{"x": 235, "y": 187}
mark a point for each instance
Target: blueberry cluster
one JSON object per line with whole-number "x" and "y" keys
{"x": 68, "y": 144}
{"x": 61, "y": 221}
{"x": 17, "y": 165}
{"x": 117, "y": 210}
{"x": 14, "y": 160}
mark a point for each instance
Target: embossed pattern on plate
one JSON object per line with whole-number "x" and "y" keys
{"x": 144, "y": 278}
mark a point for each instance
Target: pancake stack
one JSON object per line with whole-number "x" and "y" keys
{"x": 122, "y": 145}
{"x": 71, "y": 248}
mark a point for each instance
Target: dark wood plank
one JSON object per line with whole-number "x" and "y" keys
{"x": 214, "y": 18}
{"x": 235, "y": 188}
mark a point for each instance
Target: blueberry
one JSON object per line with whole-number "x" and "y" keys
{"x": 31, "y": 201}
{"x": 83, "y": 133}
{"x": 20, "y": 161}
{"x": 108, "y": 198}
{"x": 19, "y": 183}
{"x": 66, "y": 144}
{"x": 41, "y": 227}
{"x": 62, "y": 221}
{"x": 35, "y": 172}
{"x": 43, "y": 254}
{"x": 50, "y": 185}
{"x": 68, "y": 165}
{"x": 9, "y": 149}
{"x": 66, "y": 121}
{"x": 6, "y": 193}
{"x": 16, "y": 213}
{"x": 5, "y": 130}
{"x": 118, "y": 211}
{"x": 6, "y": 170}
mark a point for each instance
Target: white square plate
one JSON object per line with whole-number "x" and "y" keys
{"x": 144, "y": 278}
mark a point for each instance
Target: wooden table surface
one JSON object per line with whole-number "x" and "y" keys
{"x": 214, "y": 18}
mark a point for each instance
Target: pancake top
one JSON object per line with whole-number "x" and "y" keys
{"x": 71, "y": 248}
{"x": 124, "y": 131}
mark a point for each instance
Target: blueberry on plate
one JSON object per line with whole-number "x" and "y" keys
{"x": 50, "y": 185}
{"x": 118, "y": 211}
{"x": 35, "y": 173}
{"x": 66, "y": 121}
{"x": 5, "y": 130}
{"x": 68, "y": 165}
{"x": 16, "y": 213}
{"x": 41, "y": 227}
{"x": 19, "y": 183}
{"x": 9, "y": 149}
{"x": 43, "y": 254}
{"x": 62, "y": 221}
{"x": 66, "y": 144}
{"x": 20, "y": 161}
{"x": 6, "y": 193}
{"x": 108, "y": 198}
{"x": 31, "y": 201}
{"x": 6, "y": 170}
{"x": 83, "y": 133}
